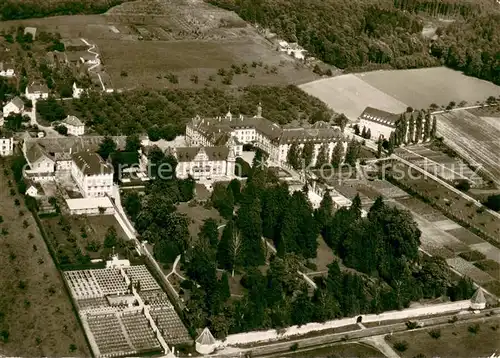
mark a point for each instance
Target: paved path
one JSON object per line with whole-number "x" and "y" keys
{"x": 97, "y": 64}
{"x": 276, "y": 348}
{"x": 303, "y": 275}
{"x": 380, "y": 343}
{"x": 174, "y": 269}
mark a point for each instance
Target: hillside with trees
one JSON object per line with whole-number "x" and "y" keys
{"x": 355, "y": 35}
{"x": 25, "y": 9}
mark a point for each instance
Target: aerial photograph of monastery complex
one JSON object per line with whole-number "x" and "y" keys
{"x": 250, "y": 178}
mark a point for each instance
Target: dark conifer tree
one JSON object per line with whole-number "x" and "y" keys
{"x": 338, "y": 154}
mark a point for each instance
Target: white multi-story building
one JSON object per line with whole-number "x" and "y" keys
{"x": 6, "y": 145}
{"x": 261, "y": 133}
{"x": 37, "y": 91}
{"x": 205, "y": 162}
{"x": 74, "y": 125}
{"x": 92, "y": 174}
{"x": 14, "y": 106}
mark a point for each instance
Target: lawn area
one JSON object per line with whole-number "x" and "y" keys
{"x": 357, "y": 350}
{"x": 324, "y": 256}
{"x": 456, "y": 340}
{"x": 84, "y": 233}
{"x": 196, "y": 215}
{"x": 36, "y": 316}
{"x": 489, "y": 266}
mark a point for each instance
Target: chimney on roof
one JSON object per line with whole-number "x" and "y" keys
{"x": 70, "y": 150}
{"x": 241, "y": 116}
{"x": 259, "y": 110}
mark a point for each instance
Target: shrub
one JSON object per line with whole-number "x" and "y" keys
{"x": 411, "y": 325}
{"x": 435, "y": 333}
{"x": 294, "y": 347}
{"x": 474, "y": 329}
{"x": 462, "y": 185}
{"x": 493, "y": 202}
{"x": 61, "y": 129}
{"x": 187, "y": 284}
{"x": 401, "y": 346}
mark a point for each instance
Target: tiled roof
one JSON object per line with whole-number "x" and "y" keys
{"x": 229, "y": 123}
{"x": 73, "y": 121}
{"x": 91, "y": 163}
{"x": 478, "y": 296}
{"x": 315, "y": 135}
{"x": 34, "y": 152}
{"x": 37, "y": 87}
{"x": 187, "y": 154}
{"x": 17, "y": 101}
{"x": 379, "y": 116}
{"x": 75, "y": 144}
{"x": 206, "y": 338}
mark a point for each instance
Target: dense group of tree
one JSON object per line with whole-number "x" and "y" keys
{"x": 300, "y": 157}
{"x": 15, "y": 9}
{"x": 154, "y": 212}
{"x": 163, "y": 114}
{"x": 382, "y": 33}
{"x": 412, "y": 127}
{"x": 382, "y": 248}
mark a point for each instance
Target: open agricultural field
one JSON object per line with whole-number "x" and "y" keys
{"x": 440, "y": 164}
{"x": 419, "y": 88}
{"x": 36, "y": 316}
{"x": 472, "y": 137}
{"x": 448, "y": 201}
{"x": 151, "y": 63}
{"x": 176, "y": 44}
{"x": 350, "y": 95}
{"x": 394, "y": 91}
{"x": 467, "y": 339}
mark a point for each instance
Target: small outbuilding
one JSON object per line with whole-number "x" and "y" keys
{"x": 205, "y": 343}
{"x": 478, "y": 301}
{"x": 90, "y": 206}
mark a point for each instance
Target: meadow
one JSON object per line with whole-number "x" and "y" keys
{"x": 36, "y": 316}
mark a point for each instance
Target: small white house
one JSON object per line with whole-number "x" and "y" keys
{"x": 14, "y": 106}
{"x": 37, "y": 91}
{"x": 74, "y": 125}
{"x": 77, "y": 91}
{"x": 6, "y": 72}
{"x": 34, "y": 190}
{"x": 6, "y": 145}
{"x": 115, "y": 262}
